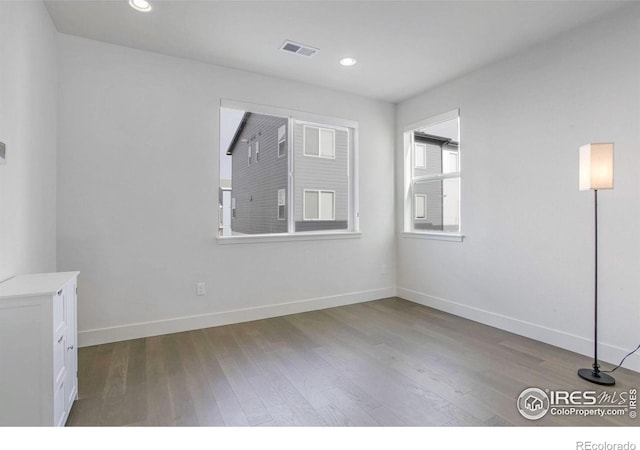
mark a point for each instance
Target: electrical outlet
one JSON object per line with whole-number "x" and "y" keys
{"x": 201, "y": 288}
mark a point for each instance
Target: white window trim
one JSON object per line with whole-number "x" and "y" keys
{"x": 286, "y": 237}
{"x": 304, "y": 205}
{"x": 415, "y": 212}
{"x": 320, "y": 129}
{"x": 434, "y": 236}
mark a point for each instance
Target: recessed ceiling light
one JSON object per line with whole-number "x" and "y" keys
{"x": 140, "y": 5}
{"x": 348, "y": 61}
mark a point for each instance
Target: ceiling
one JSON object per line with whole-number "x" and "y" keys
{"x": 402, "y": 47}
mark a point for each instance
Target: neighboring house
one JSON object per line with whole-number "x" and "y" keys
{"x": 259, "y": 188}
{"x": 259, "y": 175}
{"x": 434, "y": 155}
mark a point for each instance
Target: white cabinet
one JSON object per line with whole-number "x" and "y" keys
{"x": 38, "y": 349}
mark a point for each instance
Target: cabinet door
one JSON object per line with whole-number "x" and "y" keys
{"x": 71, "y": 351}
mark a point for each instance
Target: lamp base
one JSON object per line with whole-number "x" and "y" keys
{"x": 596, "y": 377}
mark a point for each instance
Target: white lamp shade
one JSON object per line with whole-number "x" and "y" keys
{"x": 596, "y": 166}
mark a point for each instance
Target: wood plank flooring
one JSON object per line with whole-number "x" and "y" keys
{"x": 383, "y": 363}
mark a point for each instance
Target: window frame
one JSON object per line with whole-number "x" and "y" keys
{"x": 257, "y": 151}
{"x": 410, "y": 180}
{"x": 249, "y": 149}
{"x": 319, "y": 121}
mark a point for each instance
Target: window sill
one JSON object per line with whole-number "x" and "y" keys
{"x": 451, "y": 237}
{"x": 265, "y": 238}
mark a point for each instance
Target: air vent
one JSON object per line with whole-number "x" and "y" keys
{"x": 298, "y": 49}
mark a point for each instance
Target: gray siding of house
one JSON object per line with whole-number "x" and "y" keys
{"x": 432, "y": 189}
{"x": 322, "y": 174}
{"x": 255, "y": 187}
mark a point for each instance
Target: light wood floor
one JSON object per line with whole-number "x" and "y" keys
{"x": 383, "y": 363}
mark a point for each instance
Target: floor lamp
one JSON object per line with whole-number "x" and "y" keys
{"x": 596, "y": 172}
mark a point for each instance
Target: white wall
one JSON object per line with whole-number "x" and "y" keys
{"x": 526, "y": 264}
{"x": 28, "y": 93}
{"x": 137, "y": 198}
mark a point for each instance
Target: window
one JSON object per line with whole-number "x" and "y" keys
{"x": 420, "y": 155}
{"x": 432, "y": 175}
{"x": 282, "y": 141}
{"x": 233, "y": 207}
{"x": 319, "y": 205}
{"x": 420, "y": 208}
{"x": 319, "y": 142}
{"x": 287, "y": 192}
{"x": 282, "y": 204}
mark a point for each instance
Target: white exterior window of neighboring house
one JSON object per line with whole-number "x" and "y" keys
{"x": 249, "y": 152}
{"x": 319, "y": 142}
{"x": 233, "y": 207}
{"x": 282, "y": 141}
{"x": 420, "y": 207}
{"x": 257, "y": 151}
{"x": 319, "y": 205}
{"x": 282, "y": 204}
{"x": 420, "y": 156}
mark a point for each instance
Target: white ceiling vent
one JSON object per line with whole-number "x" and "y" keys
{"x": 299, "y": 49}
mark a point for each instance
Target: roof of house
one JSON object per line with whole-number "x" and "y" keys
{"x": 236, "y": 136}
{"x": 438, "y": 140}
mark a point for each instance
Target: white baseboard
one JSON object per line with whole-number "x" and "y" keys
{"x": 158, "y": 327}
{"x": 608, "y": 353}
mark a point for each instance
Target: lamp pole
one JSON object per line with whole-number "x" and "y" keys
{"x": 594, "y": 375}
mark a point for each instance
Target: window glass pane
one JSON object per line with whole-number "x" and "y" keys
{"x": 326, "y": 143}
{"x": 311, "y": 210}
{"x": 267, "y": 189}
{"x": 442, "y": 200}
{"x": 311, "y": 141}
{"x": 433, "y": 176}
{"x": 330, "y": 176}
{"x": 251, "y": 170}
{"x": 326, "y": 205}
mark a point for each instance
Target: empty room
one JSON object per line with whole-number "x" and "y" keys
{"x": 320, "y": 214}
